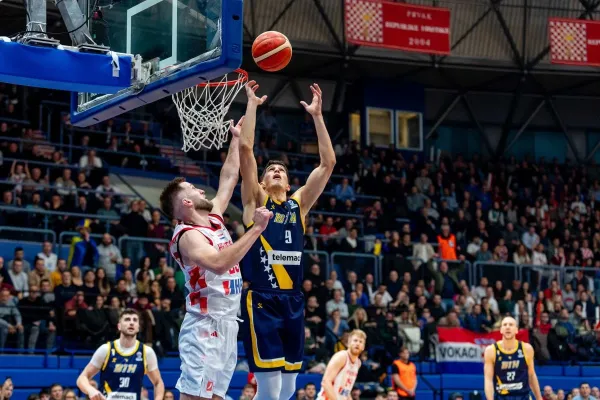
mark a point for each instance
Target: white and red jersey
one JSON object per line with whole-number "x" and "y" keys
{"x": 210, "y": 294}
{"x": 344, "y": 380}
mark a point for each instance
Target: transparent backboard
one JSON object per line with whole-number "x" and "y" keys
{"x": 181, "y": 43}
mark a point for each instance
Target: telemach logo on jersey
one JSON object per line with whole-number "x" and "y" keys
{"x": 285, "y": 257}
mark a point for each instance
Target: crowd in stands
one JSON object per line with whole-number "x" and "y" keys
{"x": 429, "y": 222}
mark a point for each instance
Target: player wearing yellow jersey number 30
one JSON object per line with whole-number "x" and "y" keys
{"x": 122, "y": 365}
{"x": 508, "y": 370}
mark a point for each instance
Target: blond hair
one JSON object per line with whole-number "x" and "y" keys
{"x": 358, "y": 332}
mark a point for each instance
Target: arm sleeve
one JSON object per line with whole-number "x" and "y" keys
{"x": 395, "y": 369}
{"x": 99, "y": 356}
{"x": 151, "y": 359}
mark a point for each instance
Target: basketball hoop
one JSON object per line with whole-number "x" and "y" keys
{"x": 202, "y": 110}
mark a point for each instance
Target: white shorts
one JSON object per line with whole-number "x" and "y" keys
{"x": 208, "y": 352}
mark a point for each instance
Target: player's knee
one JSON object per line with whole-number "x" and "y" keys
{"x": 268, "y": 385}
{"x": 288, "y": 386}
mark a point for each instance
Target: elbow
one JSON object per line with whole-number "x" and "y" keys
{"x": 329, "y": 164}
{"x": 245, "y": 148}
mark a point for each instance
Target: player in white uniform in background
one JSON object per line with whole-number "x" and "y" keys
{"x": 210, "y": 261}
{"x": 122, "y": 365}
{"x": 342, "y": 369}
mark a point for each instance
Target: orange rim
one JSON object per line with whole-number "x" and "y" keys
{"x": 243, "y": 78}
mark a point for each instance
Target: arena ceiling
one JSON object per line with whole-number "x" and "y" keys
{"x": 499, "y": 47}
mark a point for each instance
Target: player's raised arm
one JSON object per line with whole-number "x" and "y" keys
{"x": 252, "y": 193}
{"x": 196, "y": 250}
{"x": 317, "y": 180}
{"x": 534, "y": 384}
{"x": 488, "y": 372}
{"x": 230, "y": 171}
{"x": 335, "y": 365}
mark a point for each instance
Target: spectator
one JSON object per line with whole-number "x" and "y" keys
{"x": 337, "y": 303}
{"x": 422, "y": 252}
{"x": 335, "y": 327}
{"x": 84, "y": 251}
{"x": 39, "y": 273}
{"x": 7, "y": 389}
{"x": 404, "y": 376}
{"x": 109, "y": 256}
{"x": 36, "y": 318}
{"x": 447, "y": 244}
{"x": 137, "y": 226}
{"x": 56, "y": 275}
{"x": 584, "y": 392}
{"x": 20, "y": 256}
{"x": 50, "y": 258}
{"x": 530, "y": 239}
{"x": 11, "y": 322}
{"x": 344, "y": 191}
{"x": 18, "y": 278}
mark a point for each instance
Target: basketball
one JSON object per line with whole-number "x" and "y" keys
{"x": 272, "y": 51}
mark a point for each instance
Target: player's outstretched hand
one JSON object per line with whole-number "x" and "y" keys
{"x": 262, "y": 217}
{"x": 251, "y": 88}
{"x": 96, "y": 395}
{"x": 236, "y": 130}
{"x": 316, "y": 106}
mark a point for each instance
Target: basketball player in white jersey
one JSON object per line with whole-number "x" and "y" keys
{"x": 342, "y": 369}
{"x": 210, "y": 261}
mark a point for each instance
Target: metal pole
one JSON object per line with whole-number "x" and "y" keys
{"x": 443, "y": 116}
{"x": 524, "y": 126}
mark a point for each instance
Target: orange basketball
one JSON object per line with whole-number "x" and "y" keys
{"x": 272, "y": 51}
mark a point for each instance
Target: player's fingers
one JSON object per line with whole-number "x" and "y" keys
{"x": 241, "y": 121}
{"x": 318, "y": 88}
{"x": 264, "y": 98}
{"x": 250, "y": 83}
{"x": 304, "y": 104}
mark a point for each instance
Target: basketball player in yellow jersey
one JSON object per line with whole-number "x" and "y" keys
{"x": 508, "y": 370}
{"x": 273, "y": 305}
{"x": 342, "y": 369}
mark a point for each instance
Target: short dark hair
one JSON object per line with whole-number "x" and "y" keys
{"x": 128, "y": 311}
{"x": 274, "y": 162}
{"x": 168, "y": 194}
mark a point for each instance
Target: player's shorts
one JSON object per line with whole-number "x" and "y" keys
{"x": 208, "y": 352}
{"x": 273, "y": 330}
{"x": 516, "y": 396}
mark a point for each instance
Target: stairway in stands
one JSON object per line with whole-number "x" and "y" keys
{"x": 187, "y": 166}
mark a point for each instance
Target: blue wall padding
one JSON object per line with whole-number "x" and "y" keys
{"x": 50, "y": 68}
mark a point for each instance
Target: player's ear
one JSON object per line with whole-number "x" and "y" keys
{"x": 262, "y": 185}
{"x": 186, "y": 202}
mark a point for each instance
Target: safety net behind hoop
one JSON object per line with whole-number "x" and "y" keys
{"x": 202, "y": 110}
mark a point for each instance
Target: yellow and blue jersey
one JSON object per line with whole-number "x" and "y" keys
{"x": 274, "y": 262}
{"x": 511, "y": 374}
{"x": 123, "y": 373}
{"x": 273, "y": 306}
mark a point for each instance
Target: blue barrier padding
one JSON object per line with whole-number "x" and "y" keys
{"x": 50, "y": 68}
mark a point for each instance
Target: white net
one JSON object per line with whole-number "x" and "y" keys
{"x": 202, "y": 110}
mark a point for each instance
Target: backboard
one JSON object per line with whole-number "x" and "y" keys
{"x": 181, "y": 43}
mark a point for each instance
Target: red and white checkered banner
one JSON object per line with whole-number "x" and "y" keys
{"x": 398, "y": 26}
{"x": 574, "y": 41}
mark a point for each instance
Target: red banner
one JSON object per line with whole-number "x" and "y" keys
{"x": 398, "y": 26}
{"x": 483, "y": 339}
{"x": 574, "y": 41}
